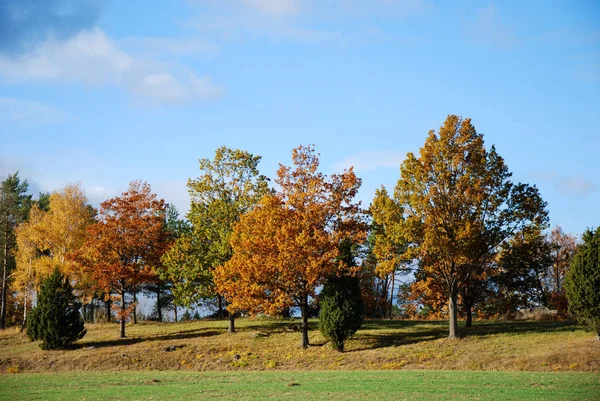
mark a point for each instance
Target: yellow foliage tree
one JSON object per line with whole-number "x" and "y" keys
{"x": 49, "y": 239}
{"x": 389, "y": 245}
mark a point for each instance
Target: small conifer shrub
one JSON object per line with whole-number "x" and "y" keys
{"x": 342, "y": 310}
{"x": 56, "y": 320}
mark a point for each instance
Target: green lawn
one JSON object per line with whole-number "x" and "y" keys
{"x": 302, "y": 385}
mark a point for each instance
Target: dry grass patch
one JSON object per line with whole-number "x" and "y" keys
{"x": 274, "y": 345}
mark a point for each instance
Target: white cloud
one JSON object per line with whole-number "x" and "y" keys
{"x": 365, "y": 161}
{"x": 165, "y": 46}
{"x": 571, "y": 186}
{"x": 24, "y": 112}
{"x": 165, "y": 88}
{"x": 299, "y": 20}
{"x": 92, "y": 58}
{"x": 488, "y": 28}
{"x": 574, "y": 186}
{"x": 174, "y": 192}
{"x": 277, "y": 8}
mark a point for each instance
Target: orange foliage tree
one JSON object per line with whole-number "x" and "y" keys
{"x": 459, "y": 206}
{"x": 287, "y": 246}
{"x": 125, "y": 245}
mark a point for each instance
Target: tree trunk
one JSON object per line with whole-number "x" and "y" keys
{"x": 135, "y": 306}
{"x": 220, "y": 306}
{"x": 92, "y": 314}
{"x": 4, "y": 273}
{"x": 392, "y": 296}
{"x": 231, "y": 328}
{"x": 158, "y": 304}
{"x": 24, "y": 323}
{"x": 384, "y": 298}
{"x": 108, "y": 315}
{"x": 175, "y": 311}
{"x": 452, "y": 305}
{"x": 304, "y": 311}
{"x": 123, "y": 314}
{"x": 469, "y": 314}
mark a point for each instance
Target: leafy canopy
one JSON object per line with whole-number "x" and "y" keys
{"x": 286, "y": 247}
{"x": 229, "y": 186}
{"x": 459, "y": 205}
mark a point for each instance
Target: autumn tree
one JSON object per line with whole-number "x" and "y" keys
{"x": 287, "y": 246}
{"x": 126, "y": 243}
{"x": 28, "y": 258}
{"x": 229, "y": 186}
{"x": 582, "y": 283}
{"x": 563, "y": 247}
{"x": 14, "y": 209}
{"x": 48, "y": 240}
{"x": 459, "y": 206}
{"x": 389, "y": 245}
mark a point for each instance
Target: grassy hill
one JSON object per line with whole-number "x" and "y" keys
{"x": 274, "y": 345}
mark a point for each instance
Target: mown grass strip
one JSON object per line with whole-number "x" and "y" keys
{"x": 302, "y": 385}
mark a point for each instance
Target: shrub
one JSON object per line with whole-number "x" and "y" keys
{"x": 583, "y": 282}
{"x": 56, "y": 320}
{"x": 342, "y": 310}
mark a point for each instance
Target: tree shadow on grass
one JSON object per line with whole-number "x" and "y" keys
{"x": 282, "y": 326}
{"x": 382, "y": 334}
{"x": 180, "y": 335}
{"x": 389, "y": 339}
{"x": 515, "y": 326}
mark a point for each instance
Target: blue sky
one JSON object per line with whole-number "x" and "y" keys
{"x": 104, "y": 92}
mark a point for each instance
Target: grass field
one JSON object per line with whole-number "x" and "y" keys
{"x": 273, "y": 345}
{"x": 262, "y": 360}
{"x": 312, "y": 385}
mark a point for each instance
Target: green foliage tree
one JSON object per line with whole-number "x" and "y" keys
{"x": 583, "y": 281}
{"x": 56, "y": 320}
{"x": 342, "y": 309}
{"x": 162, "y": 289}
{"x": 43, "y": 201}
{"x": 229, "y": 186}
{"x": 341, "y": 306}
{"x": 522, "y": 261}
{"x": 14, "y": 208}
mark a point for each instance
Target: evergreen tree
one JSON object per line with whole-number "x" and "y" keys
{"x": 56, "y": 320}
{"x": 583, "y": 281}
{"x": 342, "y": 310}
{"x": 341, "y": 305}
{"x": 14, "y": 208}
